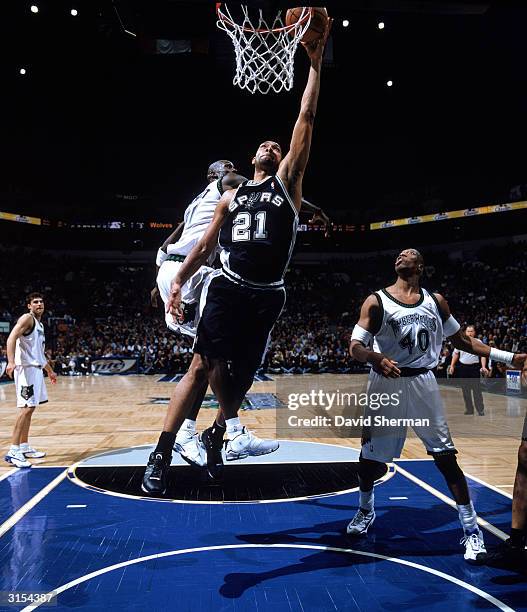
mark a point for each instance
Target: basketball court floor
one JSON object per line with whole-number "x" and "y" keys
{"x": 77, "y": 530}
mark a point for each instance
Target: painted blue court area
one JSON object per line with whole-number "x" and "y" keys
{"x": 101, "y": 551}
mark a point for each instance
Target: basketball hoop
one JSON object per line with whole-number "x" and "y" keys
{"x": 264, "y": 53}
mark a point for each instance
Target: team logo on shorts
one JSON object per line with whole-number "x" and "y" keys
{"x": 27, "y": 392}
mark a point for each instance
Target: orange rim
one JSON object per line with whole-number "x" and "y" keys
{"x": 233, "y": 24}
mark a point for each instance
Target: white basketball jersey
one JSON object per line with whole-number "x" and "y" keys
{"x": 29, "y": 350}
{"x": 412, "y": 335}
{"x": 197, "y": 216}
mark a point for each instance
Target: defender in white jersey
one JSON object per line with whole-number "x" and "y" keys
{"x": 221, "y": 175}
{"x": 26, "y": 360}
{"x": 406, "y": 325}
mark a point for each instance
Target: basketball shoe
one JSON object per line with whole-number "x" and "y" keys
{"x": 243, "y": 443}
{"x": 507, "y": 556}
{"x": 212, "y": 449}
{"x": 475, "y": 551}
{"x": 155, "y": 478}
{"x": 17, "y": 459}
{"x": 33, "y": 453}
{"x": 360, "y": 523}
{"x": 189, "y": 447}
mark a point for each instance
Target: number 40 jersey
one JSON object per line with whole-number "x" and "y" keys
{"x": 412, "y": 335}
{"x": 259, "y": 233}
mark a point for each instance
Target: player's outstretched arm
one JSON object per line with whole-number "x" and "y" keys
{"x": 200, "y": 252}
{"x": 292, "y": 167}
{"x": 368, "y": 325}
{"x": 23, "y": 325}
{"x": 461, "y": 341}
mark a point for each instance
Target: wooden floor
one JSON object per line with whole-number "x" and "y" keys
{"x": 89, "y": 415}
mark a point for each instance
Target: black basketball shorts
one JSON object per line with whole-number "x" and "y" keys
{"x": 236, "y": 321}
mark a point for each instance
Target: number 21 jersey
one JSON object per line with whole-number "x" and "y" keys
{"x": 258, "y": 236}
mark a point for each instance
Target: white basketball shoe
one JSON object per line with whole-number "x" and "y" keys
{"x": 242, "y": 443}
{"x": 475, "y": 551}
{"x": 17, "y": 459}
{"x": 190, "y": 448}
{"x": 360, "y": 523}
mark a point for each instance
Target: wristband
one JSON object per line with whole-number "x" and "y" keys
{"x": 503, "y": 356}
{"x": 450, "y": 327}
{"x": 361, "y": 335}
{"x": 161, "y": 257}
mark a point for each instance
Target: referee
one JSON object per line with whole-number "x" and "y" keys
{"x": 469, "y": 371}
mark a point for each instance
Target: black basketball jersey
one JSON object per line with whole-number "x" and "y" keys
{"x": 258, "y": 236}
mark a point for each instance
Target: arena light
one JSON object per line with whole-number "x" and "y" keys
{"x": 345, "y": 23}
{"x": 34, "y": 8}
{"x": 380, "y": 25}
{"x": 74, "y": 12}
{"x": 22, "y": 71}
{"x": 389, "y": 83}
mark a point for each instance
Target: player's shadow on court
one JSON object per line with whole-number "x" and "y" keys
{"x": 236, "y": 584}
{"x": 398, "y": 531}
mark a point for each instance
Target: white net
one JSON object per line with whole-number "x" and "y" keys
{"x": 264, "y": 51}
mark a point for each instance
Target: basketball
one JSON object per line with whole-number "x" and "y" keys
{"x": 317, "y": 27}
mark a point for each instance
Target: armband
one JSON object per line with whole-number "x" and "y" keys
{"x": 361, "y": 335}
{"x": 503, "y": 356}
{"x": 450, "y": 327}
{"x": 161, "y": 257}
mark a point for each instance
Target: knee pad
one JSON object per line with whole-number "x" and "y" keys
{"x": 368, "y": 468}
{"x": 448, "y": 466}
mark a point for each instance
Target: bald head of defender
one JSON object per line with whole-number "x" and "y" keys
{"x": 218, "y": 169}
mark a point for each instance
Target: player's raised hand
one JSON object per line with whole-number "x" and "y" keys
{"x": 315, "y": 48}
{"x": 174, "y": 302}
{"x": 385, "y": 366}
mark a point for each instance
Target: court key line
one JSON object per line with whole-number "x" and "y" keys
{"x": 22, "y": 511}
{"x": 481, "y": 521}
{"x": 469, "y": 587}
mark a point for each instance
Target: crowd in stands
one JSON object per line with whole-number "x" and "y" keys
{"x": 98, "y": 310}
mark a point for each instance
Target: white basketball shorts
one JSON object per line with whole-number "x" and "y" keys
{"x": 414, "y": 402}
{"x": 190, "y": 294}
{"x": 30, "y": 386}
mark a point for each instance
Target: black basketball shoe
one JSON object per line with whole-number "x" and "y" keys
{"x": 155, "y": 478}
{"x": 214, "y": 456}
{"x": 508, "y": 557}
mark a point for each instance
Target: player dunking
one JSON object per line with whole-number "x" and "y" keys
{"x": 407, "y": 325}
{"x": 190, "y": 391}
{"x": 256, "y": 227}
{"x": 25, "y": 360}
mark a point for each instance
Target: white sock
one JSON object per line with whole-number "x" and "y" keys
{"x": 468, "y": 518}
{"x": 13, "y": 449}
{"x": 366, "y": 499}
{"x": 24, "y": 446}
{"x": 188, "y": 425}
{"x": 233, "y": 425}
